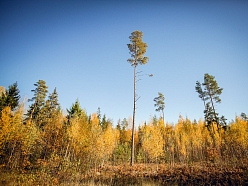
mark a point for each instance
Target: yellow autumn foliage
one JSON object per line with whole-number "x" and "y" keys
{"x": 86, "y": 142}
{"x": 14, "y": 135}
{"x": 79, "y": 135}
{"x": 238, "y": 133}
{"x": 53, "y": 134}
{"x": 102, "y": 142}
{"x": 109, "y": 139}
{"x": 152, "y": 141}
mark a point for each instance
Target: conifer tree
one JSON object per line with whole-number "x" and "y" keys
{"x": 159, "y": 103}
{"x": 10, "y": 97}
{"x": 105, "y": 122}
{"x": 35, "y": 109}
{"x": 244, "y": 116}
{"x": 99, "y": 115}
{"x": 53, "y": 99}
{"x": 210, "y": 94}
{"x": 52, "y": 104}
{"x": 137, "y": 49}
{"x": 201, "y": 93}
{"x": 74, "y": 111}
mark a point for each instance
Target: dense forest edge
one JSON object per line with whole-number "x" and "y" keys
{"x": 44, "y": 146}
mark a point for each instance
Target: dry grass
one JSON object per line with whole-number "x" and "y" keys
{"x": 139, "y": 174}
{"x": 197, "y": 174}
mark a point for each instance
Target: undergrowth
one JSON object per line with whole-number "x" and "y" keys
{"x": 139, "y": 174}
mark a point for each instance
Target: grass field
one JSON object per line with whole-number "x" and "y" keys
{"x": 139, "y": 174}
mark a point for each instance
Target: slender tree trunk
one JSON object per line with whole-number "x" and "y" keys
{"x": 216, "y": 118}
{"x": 163, "y": 115}
{"x": 66, "y": 151}
{"x": 211, "y": 125}
{"x": 134, "y": 110}
{"x": 214, "y": 110}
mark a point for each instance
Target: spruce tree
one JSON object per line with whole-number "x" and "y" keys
{"x": 52, "y": 104}
{"x": 105, "y": 123}
{"x": 10, "y": 97}
{"x": 35, "y": 111}
{"x": 75, "y": 110}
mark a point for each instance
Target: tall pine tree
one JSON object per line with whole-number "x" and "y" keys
{"x": 137, "y": 49}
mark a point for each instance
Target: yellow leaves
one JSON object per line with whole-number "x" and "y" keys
{"x": 6, "y": 114}
{"x": 52, "y": 134}
{"x": 30, "y": 135}
{"x": 86, "y": 141}
{"x": 11, "y": 125}
{"x": 189, "y": 138}
{"x": 238, "y": 132}
{"x": 17, "y": 138}
{"x": 94, "y": 124}
{"x": 90, "y": 139}
{"x": 103, "y": 142}
{"x": 75, "y": 130}
{"x": 152, "y": 141}
{"x": 5, "y": 127}
{"x": 2, "y": 90}
{"x": 5, "y": 123}
{"x": 79, "y": 134}
{"x": 109, "y": 140}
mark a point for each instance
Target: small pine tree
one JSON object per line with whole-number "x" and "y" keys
{"x": 210, "y": 94}
{"x": 159, "y": 103}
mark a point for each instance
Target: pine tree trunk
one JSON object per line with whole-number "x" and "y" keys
{"x": 214, "y": 110}
{"x": 134, "y": 110}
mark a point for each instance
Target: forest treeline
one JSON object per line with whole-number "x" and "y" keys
{"x": 44, "y": 138}
{"x": 44, "y": 146}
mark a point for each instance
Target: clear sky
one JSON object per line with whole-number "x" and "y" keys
{"x": 80, "y": 47}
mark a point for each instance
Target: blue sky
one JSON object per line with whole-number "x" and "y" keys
{"x": 80, "y": 47}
